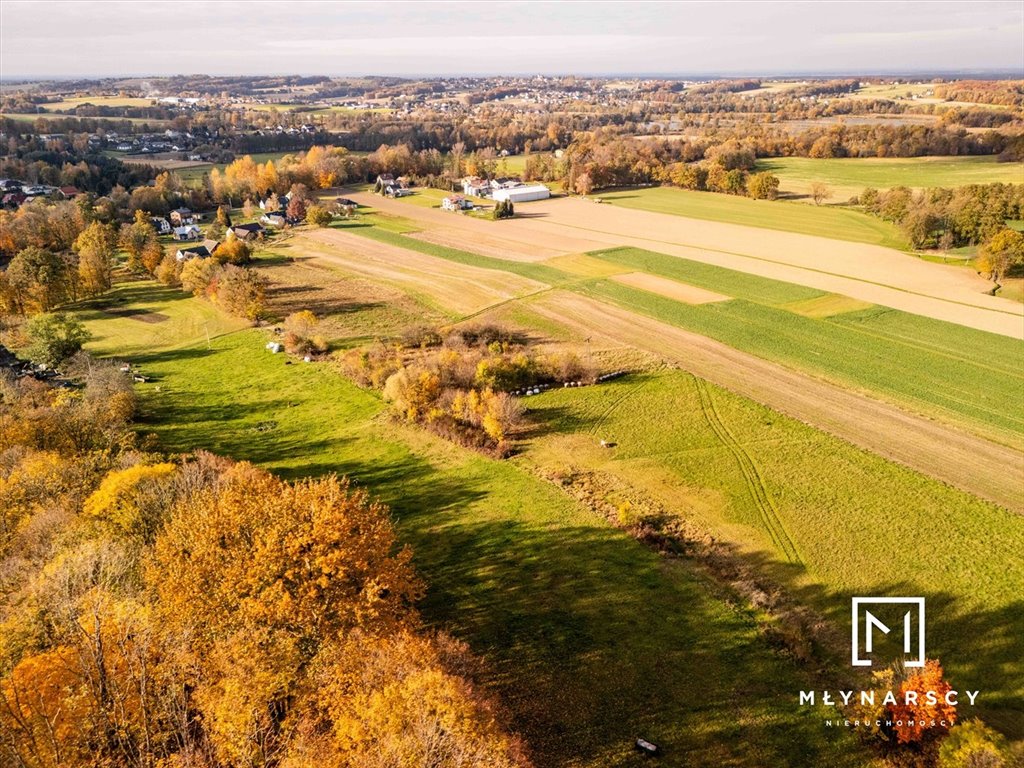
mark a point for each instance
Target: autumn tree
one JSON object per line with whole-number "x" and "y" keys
{"x": 241, "y": 291}
{"x": 38, "y": 280}
{"x": 319, "y": 216}
{"x": 914, "y": 714}
{"x": 584, "y": 184}
{"x": 820, "y": 192}
{"x": 233, "y": 251}
{"x": 96, "y": 247}
{"x": 763, "y": 186}
{"x": 404, "y": 699}
{"x": 296, "y": 208}
{"x": 260, "y": 574}
{"x": 135, "y": 238}
{"x": 54, "y": 338}
{"x": 300, "y": 333}
{"x": 972, "y": 744}
{"x": 1002, "y": 254}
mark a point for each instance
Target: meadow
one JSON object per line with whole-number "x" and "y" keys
{"x": 826, "y": 519}
{"x": 822, "y": 221}
{"x": 849, "y": 176}
{"x": 590, "y": 638}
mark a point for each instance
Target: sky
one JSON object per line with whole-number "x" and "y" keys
{"x": 55, "y": 38}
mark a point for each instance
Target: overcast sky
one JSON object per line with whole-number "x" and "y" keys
{"x": 66, "y": 39}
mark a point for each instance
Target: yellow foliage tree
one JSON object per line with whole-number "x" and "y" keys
{"x": 121, "y": 498}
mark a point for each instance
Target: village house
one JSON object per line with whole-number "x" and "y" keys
{"x": 70, "y": 193}
{"x": 267, "y": 204}
{"x": 181, "y": 217}
{"x": 246, "y": 231}
{"x": 474, "y": 185}
{"x": 456, "y": 203}
{"x": 202, "y": 251}
{"x": 275, "y": 220}
{"x": 161, "y": 225}
{"x": 189, "y": 232}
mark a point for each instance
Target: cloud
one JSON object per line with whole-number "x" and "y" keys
{"x": 59, "y": 38}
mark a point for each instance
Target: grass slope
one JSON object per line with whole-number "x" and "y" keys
{"x": 859, "y": 525}
{"x": 135, "y": 318}
{"x": 590, "y": 638}
{"x": 824, "y": 221}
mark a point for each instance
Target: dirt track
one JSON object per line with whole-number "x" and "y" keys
{"x": 971, "y": 463}
{"x": 866, "y": 272}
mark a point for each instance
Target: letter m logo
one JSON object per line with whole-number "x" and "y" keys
{"x": 867, "y": 627}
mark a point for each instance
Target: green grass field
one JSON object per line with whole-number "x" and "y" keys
{"x": 963, "y": 375}
{"x": 849, "y": 176}
{"x": 136, "y": 318}
{"x": 835, "y": 521}
{"x": 823, "y": 221}
{"x": 589, "y": 637}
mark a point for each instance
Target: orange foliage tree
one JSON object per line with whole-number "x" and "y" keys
{"x": 913, "y": 718}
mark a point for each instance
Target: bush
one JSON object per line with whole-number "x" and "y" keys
{"x": 319, "y": 216}
{"x": 300, "y": 337}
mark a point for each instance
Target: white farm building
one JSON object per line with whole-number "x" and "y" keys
{"x": 522, "y": 194}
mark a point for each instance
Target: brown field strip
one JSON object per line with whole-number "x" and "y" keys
{"x": 963, "y": 460}
{"x": 670, "y": 289}
{"x": 456, "y": 288}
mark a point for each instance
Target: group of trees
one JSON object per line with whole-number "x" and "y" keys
{"x": 65, "y": 162}
{"x": 458, "y": 383}
{"x": 206, "y": 614}
{"x": 915, "y": 731}
{"x": 240, "y": 291}
{"x": 71, "y": 256}
{"x": 947, "y": 218}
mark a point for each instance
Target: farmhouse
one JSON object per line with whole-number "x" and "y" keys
{"x": 456, "y": 203}
{"x": 181, "y": 217}
{"x": 207, "y": 249}
{"x": 272, "y": 220}
{"x": 522, "y": 194}
{"x": 70, "y": 193}
{"x": 190, "y": 232}
{"x": 246, "y": 231}
{"x": 161, "y": 225}
{"x": 474, "y": 185}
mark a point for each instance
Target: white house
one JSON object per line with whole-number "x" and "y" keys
{"x": 455, "y": 203}
{"x": 190, "y": 232}
{"x": 474, "y": 185}
{"x": 161, "y": 225}
{"x": 523, "y": 194}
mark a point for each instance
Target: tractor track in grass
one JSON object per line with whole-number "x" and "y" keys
{"x": 751, "y": 475}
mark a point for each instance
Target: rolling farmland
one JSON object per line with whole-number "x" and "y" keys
{"x": 848, "y": 177}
